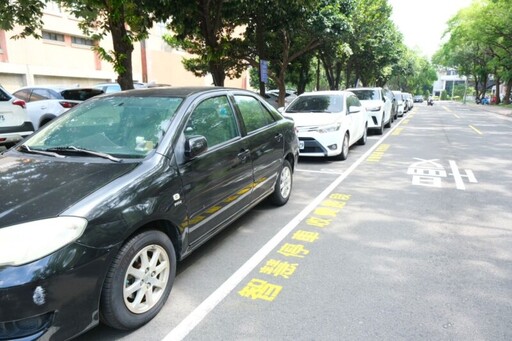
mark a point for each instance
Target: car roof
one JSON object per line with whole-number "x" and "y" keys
{"x": 173, "y": 91}
{"x": 325, "y": 92}
{"x": 366, "y": 88}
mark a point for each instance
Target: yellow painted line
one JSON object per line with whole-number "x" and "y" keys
{"x": 456, "y": 115}
{"x": 476, "y": 130}
{"x": 405, "y": 121}
{"x": 397, "y": 131}
{"x": 445, "y": 108}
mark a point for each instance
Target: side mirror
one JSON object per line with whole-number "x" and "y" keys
{"x": 353, "y": 109}
{"x": 195, "y": 145}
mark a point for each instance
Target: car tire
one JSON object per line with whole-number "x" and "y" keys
{"x": 124, "y": 303}
{"x": 283, "y": 186}
{"x": 388, "y": 125}
{"x": 380, "y": 130}
{"x": 364, "y": 138}
{"x": 344, "y": 148}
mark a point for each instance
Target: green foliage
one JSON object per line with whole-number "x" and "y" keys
{"x": 444, "y": 95}
{"x": 25, "y": 13}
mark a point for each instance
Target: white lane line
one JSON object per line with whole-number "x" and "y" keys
{"x": 315, "y": 171}
{"x": 203, "y": 309}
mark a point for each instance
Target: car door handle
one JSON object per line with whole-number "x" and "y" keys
{"x": 244, "y": 155}
{"x": 278, "y": 137}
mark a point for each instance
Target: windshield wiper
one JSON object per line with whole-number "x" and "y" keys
{"x": 27, "y": 149}
{"x": 85, "y": 151}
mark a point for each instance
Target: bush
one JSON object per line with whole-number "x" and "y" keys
{"x": 444, "y": 95}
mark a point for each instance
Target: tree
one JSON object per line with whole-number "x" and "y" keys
{"x": 127, "y": 21}
{"x": 208, "y": 30}
{"x": 376, "y": 44}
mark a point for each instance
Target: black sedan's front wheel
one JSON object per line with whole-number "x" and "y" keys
{"x": 139, "y": 281}
{"x": 283, "y": 186}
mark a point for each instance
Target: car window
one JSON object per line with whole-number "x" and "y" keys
{"x": 128, "y": 127}
{"x": 4, "y": 96}
{"x": 80, "y": 94}
{"x": 40, "y": 94}
{"x": 317, "y": 103}
{"x": 215, "y": 120}
{"x": 369, "y": 94}
{"x": 254, "y": 114}
{"x": 23, "y": 94}
{"x": 353, "y": 101}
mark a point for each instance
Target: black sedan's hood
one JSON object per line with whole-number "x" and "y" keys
{"x": 37, "y": 188}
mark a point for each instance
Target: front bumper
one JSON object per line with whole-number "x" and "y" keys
{"x": 320, "y": 145}
{"x": 54, "y": 298}
{"x": 374, "y": 119}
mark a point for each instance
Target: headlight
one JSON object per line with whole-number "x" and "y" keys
{"x": 24, "y": 243}
{"x": 373, "y": 109}
{"x": 327, "y": 129}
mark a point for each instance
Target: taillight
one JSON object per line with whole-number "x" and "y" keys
{"x": 19, "y": 102}
{"x": 67, "y": 105}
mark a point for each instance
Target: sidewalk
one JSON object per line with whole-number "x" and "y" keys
{"x": 497, "y": 109}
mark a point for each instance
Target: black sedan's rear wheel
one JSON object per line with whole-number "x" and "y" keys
{"x": 139, "y": 281}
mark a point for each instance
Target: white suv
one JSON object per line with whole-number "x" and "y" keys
{"x": 378, "y": 104}
{"x": 14, "y": 122}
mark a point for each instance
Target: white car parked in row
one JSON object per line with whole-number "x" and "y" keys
{"x": 328, "y": 122}
{"x": 379, "y": 105}
{"x": 14, "y": 122}
{"x": 44, "y": 103}
{"x": 400, "y": 103}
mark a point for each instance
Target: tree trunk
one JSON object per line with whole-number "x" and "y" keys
{"x": 218, "y": 73}
{"x": 123, "y": 49}
{"x": 508, "y": 92}
{"x": 497, "y": 84}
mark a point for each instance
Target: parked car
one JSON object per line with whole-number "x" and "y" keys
{"x": 14, "y": 122}
{"x": 100, "y": 204}
{"x": 408, "y": 102}
{"x": 379, "y": 105}
{"x": 418, "y": 99}
{"x": 272, "y": 97}
{"x": 400, "y": 103}
{"x": 328, "y": 122}
{"x": 115, "y": 87}
{"x": 44, "y": 103}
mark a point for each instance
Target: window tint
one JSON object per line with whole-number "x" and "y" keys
{"x": 40, "y": 94}
{"x": 317, "y": 103}
{"x": 23, "y": 94}
{"x": 214, "y": 119}
{"x": 4, "y": 96}
{"x": 369, "y": 94}
{"x": 254, "y": 114}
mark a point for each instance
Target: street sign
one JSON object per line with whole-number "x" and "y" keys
{"x": 264, "y": 70}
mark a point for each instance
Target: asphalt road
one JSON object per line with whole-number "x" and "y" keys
{"x": 408, "y": 239}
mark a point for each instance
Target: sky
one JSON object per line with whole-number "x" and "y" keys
{"x": 423, "y": 22}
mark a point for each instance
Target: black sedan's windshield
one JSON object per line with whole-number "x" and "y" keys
{"x": 127, "y": 127}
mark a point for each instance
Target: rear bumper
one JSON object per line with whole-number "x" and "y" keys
{"x": 15, "y": 134}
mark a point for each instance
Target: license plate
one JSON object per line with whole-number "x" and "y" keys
{"x": 301, "y": 145}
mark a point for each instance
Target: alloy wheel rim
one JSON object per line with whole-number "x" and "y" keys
{"x": 286, "y": 182}
{"x": 146, "y": 279}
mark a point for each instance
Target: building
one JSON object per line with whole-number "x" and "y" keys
{"x": 64, "y": 57}
{"x": 447, "y": 79}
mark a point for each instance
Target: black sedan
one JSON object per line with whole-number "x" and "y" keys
{"x": 100, "y": 204}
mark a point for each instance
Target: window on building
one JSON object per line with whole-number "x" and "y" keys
{"x": 82, "y": 41}
{"x": 53, "y": 36}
